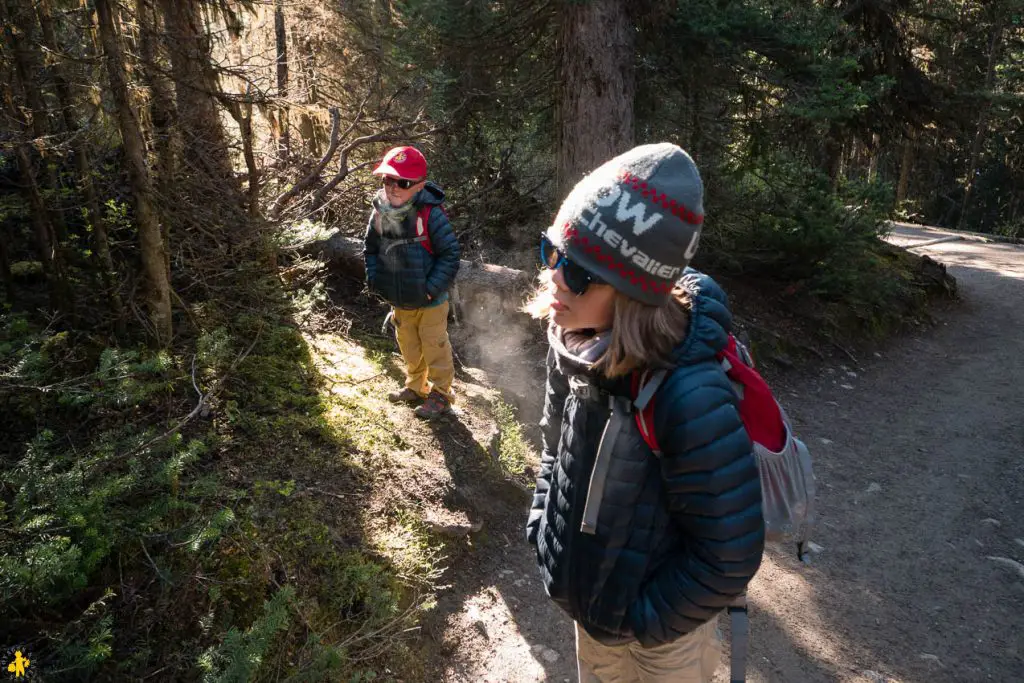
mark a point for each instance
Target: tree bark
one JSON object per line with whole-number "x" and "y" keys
{"x": 696, "y": 124}
{"x": 5, "y": 266}
{"x": 42, "y": 228}
{"x": 307, "y": 67}
{"x": 873, "y": 154}
{"x": 20, "y": 30}
{"x": 46, "y": 242}
{"x": 204, "y": 145}
{"x": 83, "y": 165}
{"x": 241, "y": 111}
{"x": 979, "y": 134}
{"x": 906, "y": 162}
{"x": 281, "y": 40}
{"x": 153, "y": 249}
{"x": 161, "y": 101}
{"x": 832, "y": 154}
{"x": 596, "y": 87}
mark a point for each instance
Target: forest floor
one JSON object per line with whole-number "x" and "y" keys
{"x": 920, "y": 491}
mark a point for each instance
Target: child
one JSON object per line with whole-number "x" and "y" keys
{"x": 641, "y": 549}
{"x": 412, "y": 256}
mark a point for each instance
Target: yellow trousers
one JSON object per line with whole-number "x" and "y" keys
{"x": 423, "y": 340}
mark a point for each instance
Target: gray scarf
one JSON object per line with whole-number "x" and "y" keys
{"x": 577, "y": 348}
{"x": 390, "y": 221}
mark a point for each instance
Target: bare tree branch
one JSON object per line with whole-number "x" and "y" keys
{"x": 344, "y": 170}
{"x": 302, "y": 185}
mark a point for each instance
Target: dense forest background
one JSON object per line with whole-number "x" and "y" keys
{"x": 162, "y": 160}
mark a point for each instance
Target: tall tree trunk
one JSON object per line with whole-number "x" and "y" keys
{"x": 848, "y": 154}
{"x": 307, "y": 68}
{"x": 382, "y": 14}
{"x": 979, "y": 133}
{"x": 832, "y": 153}
{"x": 162, "y": 115}
{"x": 86, "y": 9}
{"x": 241, "y": 111}
{"x": 204, "y": 145}
{"x": 906, "y": 162}
{"x": 45, "y": 239}
{"x": 244, "y": 118}
{"x": 154, "y": 259}
{"x": 281, "y": 39}
{"x": 873, "y": 153}
{"x": 83, "y": 165}
{"x": 596, "y": 87}
{"x": 696, "y": 134}
{"x": 44, "y": 235}
{"x": 20, "y": 30}
{"x": 5, "y": 265}
{"x": 161, "y": 100}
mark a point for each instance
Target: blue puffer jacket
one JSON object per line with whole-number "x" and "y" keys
{"x": 401, "y": 270}
{"x": 677, "y": 537}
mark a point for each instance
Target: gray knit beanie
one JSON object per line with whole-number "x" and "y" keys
{"x": 635, "y": 221}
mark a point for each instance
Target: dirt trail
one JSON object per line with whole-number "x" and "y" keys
{"x": 921, "y": 480}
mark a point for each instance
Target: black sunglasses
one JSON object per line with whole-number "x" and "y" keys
{"x": 401, "y": 182}
{"x": 577, "y": 278}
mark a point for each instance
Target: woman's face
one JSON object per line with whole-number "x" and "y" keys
{"x": 594, "y": 309}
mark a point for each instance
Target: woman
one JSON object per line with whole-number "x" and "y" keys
{"x": 643, "y": 550}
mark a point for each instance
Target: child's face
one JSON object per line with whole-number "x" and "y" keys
{"x": 594, "y": 309}
{"x": 398, "y": 195}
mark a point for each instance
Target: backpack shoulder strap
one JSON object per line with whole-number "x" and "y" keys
{"x": 645, "y": 385}
{"x": 423, "y": 226}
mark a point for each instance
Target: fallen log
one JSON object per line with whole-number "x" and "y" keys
{"x": 485, "y": 295}
{"x": 489, "y": 328}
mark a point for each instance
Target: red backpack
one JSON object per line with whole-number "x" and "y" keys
{"x": 760, "y": 412}
{"x": 783, "y": 462}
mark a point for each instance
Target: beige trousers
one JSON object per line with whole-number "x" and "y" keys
{"x": 423, "y": 340}
{"x": 691, "y": 659}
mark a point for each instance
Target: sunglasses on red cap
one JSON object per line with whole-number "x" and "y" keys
{"x": 577, "y": 278}
{"x": 400, "y": 182}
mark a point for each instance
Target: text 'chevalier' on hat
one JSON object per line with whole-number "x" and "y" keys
{"x": 635, "y": 221}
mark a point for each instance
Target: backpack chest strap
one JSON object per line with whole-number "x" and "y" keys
{"x": 387, "y": 243}
{"x": 588, "y": 391}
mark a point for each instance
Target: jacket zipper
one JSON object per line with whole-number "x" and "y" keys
{"x": 575, "y": 528}
{"x": 572, "y": 595}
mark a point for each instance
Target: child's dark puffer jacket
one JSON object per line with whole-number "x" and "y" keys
{"x": 401, "y": 270}
{"x": 677, "y": 537}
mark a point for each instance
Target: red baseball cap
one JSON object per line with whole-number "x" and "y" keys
{"x": 403, "y": 162}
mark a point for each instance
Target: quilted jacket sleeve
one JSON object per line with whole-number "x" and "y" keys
{"x": 371, "y": 247}
{"x": 446, "y": 253}
{"x": 714, "y": 492}
{"x": 551, "y": 433}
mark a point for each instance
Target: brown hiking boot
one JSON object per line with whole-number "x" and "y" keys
{"x": 435, "y": 406}
{"x": 406, "y": 395}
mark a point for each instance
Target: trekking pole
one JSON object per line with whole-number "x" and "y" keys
{"x": 739, "y": 623}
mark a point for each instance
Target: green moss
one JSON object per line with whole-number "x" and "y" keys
{"x": 514, "y": 452}
{"x": 26, "y": 270}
